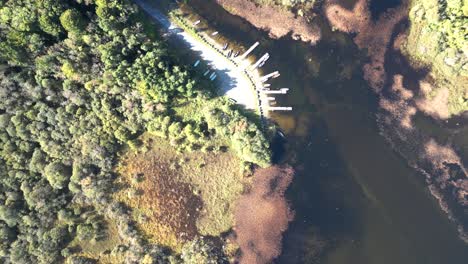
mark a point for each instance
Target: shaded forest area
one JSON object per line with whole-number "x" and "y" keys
{"x": 79, "y": 80}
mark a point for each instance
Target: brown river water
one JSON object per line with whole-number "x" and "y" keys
{"x": 356, "y": 201}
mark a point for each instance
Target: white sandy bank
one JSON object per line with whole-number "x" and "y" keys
{"x": 233, "y": 82}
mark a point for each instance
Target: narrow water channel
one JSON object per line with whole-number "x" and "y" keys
{"x": 356, "y": 200}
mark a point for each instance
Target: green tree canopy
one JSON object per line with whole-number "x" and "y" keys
{"x": 57, "y": 174}
{"x": 72, "y": 21}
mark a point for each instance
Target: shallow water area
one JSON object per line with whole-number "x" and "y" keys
{"x": 356, "y": 200}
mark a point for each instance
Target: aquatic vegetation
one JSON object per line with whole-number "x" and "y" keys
{"x": 398, "y": 96}
{"x": 414, "y": 75}
{"x": 373, "y": 36}
{"x": 284, "y": 21}
{"x": 260, "y": 209}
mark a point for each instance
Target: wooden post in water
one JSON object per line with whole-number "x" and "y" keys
{"x": 261, "y": 60}
{"x": 268, "y": 76}
{"x": 280, "y": 91}
{"x": 243, "y": 56}
{"x": 279, "y": 108}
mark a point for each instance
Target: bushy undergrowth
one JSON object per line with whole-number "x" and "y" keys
{"x": 78, "y": 80}
{"x": 438, "y": 39}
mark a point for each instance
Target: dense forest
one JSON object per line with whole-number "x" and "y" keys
{"x": 78, "y": 80}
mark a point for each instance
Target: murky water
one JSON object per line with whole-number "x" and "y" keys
{"x": 355, "y": 199}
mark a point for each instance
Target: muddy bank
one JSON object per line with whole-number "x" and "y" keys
{"x": 277, "y": 22}
{"x": 412, "y": 124}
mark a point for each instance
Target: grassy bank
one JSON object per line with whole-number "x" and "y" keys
{"x": 437, "y": 40}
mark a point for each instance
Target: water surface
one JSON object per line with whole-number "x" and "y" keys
{"x": 351, "y": 190}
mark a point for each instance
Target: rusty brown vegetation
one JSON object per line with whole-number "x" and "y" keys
{"x": 405, "y": 95}
{"x": 178, "y": 196}
{"x": 425, "y": 142}
{"x": 434, "y": 105}
{"x": 277, "y": 21}
{"x": 375, "y": 36}
{"x": 430, "y": 151}
{"x": 441, "y": 156}
{"x": 262, "y": 215}
{"x": 167, "y": 208}
{"x": 399, "y": 106}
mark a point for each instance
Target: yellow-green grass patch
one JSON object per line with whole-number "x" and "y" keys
{"x": 177, "y": 196}
{"x": 101, "y": 250}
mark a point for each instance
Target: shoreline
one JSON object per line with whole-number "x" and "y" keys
{"x": 400, "y": 123}
{"x": 233, "y": 78}
{"x": 298, "y": 27}
{"x": 426, "y": 145}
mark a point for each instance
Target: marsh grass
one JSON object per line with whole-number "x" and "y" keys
{"x": 177, "y": 196}
{"x": 101, "y": 250}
